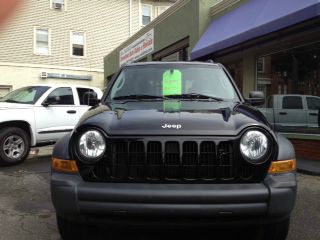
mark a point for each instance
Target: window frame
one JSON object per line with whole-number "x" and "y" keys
{"x": 151, "y": 14}
{"x": 57, "y": 88}
{"x": 64, "y": 8}
{"x": 84, "y": 44}
{"x": 292, "y": 96}
{"x": 262, "y": 70}
{"x": 307, "y": 101}
{"x": 7, "y": 87}
{"x": 35, "y": 28}
{"x": 80, "y": 97}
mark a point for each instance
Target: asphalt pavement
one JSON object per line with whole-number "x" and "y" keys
{"x": 26, "y": 211}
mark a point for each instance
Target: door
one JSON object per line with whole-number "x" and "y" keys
{"x": 57, "y": 115}
{"x": 291, "y": 116}
{"x": 313, "y": 112}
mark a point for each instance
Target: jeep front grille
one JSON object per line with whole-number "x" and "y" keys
{"x": 173, "y": 161}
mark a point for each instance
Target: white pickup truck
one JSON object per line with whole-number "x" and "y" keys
{"x": 40, "y": 115}
{"x": 293, "y": 113}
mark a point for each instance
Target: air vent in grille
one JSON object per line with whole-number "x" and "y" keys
{"x": 190, "y": 160}
{"x": 208, "y": 161}
{"x": 173, "y": 161}
{"x": 154, "y": 160}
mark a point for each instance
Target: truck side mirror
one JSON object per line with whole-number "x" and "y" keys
{"x": 51, "y": 100}
{"x": 256, "y": 98}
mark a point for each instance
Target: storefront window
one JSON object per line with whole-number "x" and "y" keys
{"x": 290, "y": 80}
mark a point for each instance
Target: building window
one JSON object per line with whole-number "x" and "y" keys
{"x": 295, "y": 74}
{"x": 42, "y": 41}
{"x": 58, "y": 4}
{"x": 260, "y": 65}
{"x": 77, "y": 44}
{"x": 146, "y": 14}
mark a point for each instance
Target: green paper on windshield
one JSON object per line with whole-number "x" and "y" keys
{"x": 171, "y": 106}
{"x": 171, "y": 83}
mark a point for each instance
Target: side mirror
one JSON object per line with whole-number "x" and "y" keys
{"x": 90, "y": 98}
{"x": 51, "y": 100}
{"x": 256, "y": 98}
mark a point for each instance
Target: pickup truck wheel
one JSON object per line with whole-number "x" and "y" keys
{"x": 276, "y": 231}
{"x": 74, "y": 230}
{"x": 14, "y": 146}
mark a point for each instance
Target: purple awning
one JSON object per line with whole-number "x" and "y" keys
{"x": 253, "y": 19}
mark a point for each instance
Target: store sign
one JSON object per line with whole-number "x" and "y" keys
{"x": 69, "y": 76}
{"x": 138, "y": 49}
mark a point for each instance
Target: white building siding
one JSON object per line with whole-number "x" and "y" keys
{"x": 106, "y": 24}
{"x": 135, "y": 14}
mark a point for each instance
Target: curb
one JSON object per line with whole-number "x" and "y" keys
{"x": 40, "y": 152}
{"x": 308, "y": 172}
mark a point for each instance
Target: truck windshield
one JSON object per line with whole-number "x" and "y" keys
{"x": 173, "y": 81}
{"x": 26, "y": 95}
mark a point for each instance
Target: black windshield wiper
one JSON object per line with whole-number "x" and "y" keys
{"x": 196, "y": 96}
{"x": 138, "y": 97}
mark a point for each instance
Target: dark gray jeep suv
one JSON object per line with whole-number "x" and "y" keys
{"x": 174, "y": 143}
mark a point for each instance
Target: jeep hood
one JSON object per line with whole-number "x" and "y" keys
{"x": 151, "y": 118}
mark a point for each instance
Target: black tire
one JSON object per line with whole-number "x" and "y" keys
{"x": 75, "y": 230}
{"x": 275, "y": 231}
{"x": 14, "y": 146}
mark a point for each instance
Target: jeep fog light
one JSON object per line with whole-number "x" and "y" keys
{"x": 91, "y": 146}
{"x": 254, "y": 146}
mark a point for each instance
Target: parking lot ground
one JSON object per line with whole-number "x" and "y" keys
{"x": 26, "y": 211}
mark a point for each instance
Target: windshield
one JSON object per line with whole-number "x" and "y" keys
{"x": 176, "y": 81}
{"x": 26, "y": 95}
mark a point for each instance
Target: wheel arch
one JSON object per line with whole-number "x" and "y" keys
{"x": 23, "y": 125}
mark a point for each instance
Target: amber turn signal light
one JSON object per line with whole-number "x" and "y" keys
{"x": 283, "y": 166}
{"x": 67, "y": 166}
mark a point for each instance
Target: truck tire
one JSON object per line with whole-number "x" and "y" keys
{"x": 71, "y": 230}
{"x": 276, "y": 231}
{"x": 14, "y": 146}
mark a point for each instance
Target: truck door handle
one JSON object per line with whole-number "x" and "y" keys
{"x": 71, "y": 111}
{"x": 313, "y": 114}
{"x": 283, "y": 113}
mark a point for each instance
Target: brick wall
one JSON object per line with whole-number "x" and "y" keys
{"x": 308, "y": 149}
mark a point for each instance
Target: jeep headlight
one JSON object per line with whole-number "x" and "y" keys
{"x": 254, "y": 146}
{"x": 91, "y": 146}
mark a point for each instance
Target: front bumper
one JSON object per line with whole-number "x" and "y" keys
{"x": 264, "y": 202}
